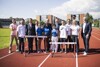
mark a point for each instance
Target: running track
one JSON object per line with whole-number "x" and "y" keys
{"x": 59, "y": 60}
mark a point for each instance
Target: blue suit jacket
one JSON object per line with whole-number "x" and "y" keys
{"x": 30, "y": 30}
{"x": 88, "y": 29}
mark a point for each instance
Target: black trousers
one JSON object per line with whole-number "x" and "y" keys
{"x": 21, "y": 44}
{"x": 75, "y": 39}
{"x": 30, "y": 44}
{"x": 86, "y": 42}
{"x": 69, "y": 39}
{"x": 59, "y": 45}
{"x": 46, "y": 43}
{"x": 36, "y": 45}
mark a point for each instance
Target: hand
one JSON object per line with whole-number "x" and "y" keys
{"x": 87, "y": 35}
{"x": 78, "y": 37}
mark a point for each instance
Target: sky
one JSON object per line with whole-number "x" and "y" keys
{"x": 59, "y": 8}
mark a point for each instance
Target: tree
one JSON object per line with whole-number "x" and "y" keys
{"x": 89, "y": 18}
{"x": 96, "y": 23}
{"x": 34, "y": 20}
{"x": 42, "y": 22}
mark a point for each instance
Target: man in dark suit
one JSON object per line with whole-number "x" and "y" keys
{"x": 86, "y": 34}
{"x": 30, "y": 30}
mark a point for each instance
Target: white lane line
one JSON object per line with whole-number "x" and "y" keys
{"x": 76, "y": 60}
{"x": 73, "y": 55}
{"x": 96, "y": 37}
{"x": 7, "y": 55}
{"x": 44, "y": 60}
{"x": 96, "y": 33}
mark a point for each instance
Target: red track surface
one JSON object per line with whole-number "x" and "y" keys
{"x": 59, "y": 59}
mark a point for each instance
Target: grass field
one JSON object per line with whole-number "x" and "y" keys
{"x": 4, "y": 37}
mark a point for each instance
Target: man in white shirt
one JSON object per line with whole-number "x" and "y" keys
{"x": 21, "y": 35}
{"x": 13, "y": 27}
{"x": 63, "y": 35}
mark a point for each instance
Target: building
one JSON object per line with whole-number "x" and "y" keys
{"x": 78, "y": 17}
{"x": 5, "y": 22}
{"x": 51, "y": 18}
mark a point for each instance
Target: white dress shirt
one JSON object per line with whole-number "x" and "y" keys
{"x": 84, "y": 24}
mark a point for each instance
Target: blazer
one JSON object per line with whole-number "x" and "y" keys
{"x": 30, "y": 30}
{"x": 87, "y": 30}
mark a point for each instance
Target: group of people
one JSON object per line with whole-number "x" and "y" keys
{"x": 68, "y": 31}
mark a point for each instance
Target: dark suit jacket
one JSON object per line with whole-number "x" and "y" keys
{"x": 30, "y": 30}
{"x": 88, "y": 29}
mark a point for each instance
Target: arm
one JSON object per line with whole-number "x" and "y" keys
{"x": 26, "y": 29}
{"x": 90, "y": 29}
{"x": 17, "y": 31}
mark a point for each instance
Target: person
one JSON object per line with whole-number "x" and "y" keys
{"x": 69, "y": 39}
{"x": 47, "y": 32}
{"x": 63, "y": 35}
{"x": 57, "y": 28}
{"x": 21, "y": 35}
{"x": 30, "y": 30}
{"x": 54, "y": 47}
{"x": 39, "y": 32}
{"x": 57, "y": 24}
{"x": 75, "y": 34}
{"x": 13, "y": 35}
{"x": 36, "y": 26}
{"x": 86, "y": 34}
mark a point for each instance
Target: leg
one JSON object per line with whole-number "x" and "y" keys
{"x": 36, "y": 44}
{"x": 73, "y": 40}
{"x": 11, "y": 41}
{"x": 71, "y": 47}
{"x": 22, "y": 44}
{"x": 61, "y": 46}
{"x": 45, "y": 44}
{"x": 16, "y": 42}
{"x": 65, "y": 46}
{"x": 76, "y": 40}
{"x": 56, "y": 45}
{"x": 85, "y": 41}
{"x": 31, "y": 44}
{"x": 39, "y": 44}
{"x": 19, "y": 44}
{"x": 48, "y": 45}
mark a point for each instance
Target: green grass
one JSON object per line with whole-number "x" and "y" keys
{"x": 4, "y": 37}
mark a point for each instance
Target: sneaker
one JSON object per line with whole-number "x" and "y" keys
{"x": 9, "y": 51}
{"x": 38, "y": 52}
{"x": 85, "y": 54}
{"x": 55, "y": 51}
{"x": 65, "y": 52}
{"x": 61, "y": 51}
{"x": 52, "y": 54}
{"x": 17, "y": 50}
{"x": 45, "y": 52}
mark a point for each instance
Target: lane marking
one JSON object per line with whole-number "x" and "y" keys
{"x": 96, "y": 33}
{"x": 76, "y": 60}
{"x": 96, "y": 37}
{"x": 44, "y": 60}
{"x": 8, "y": 55}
